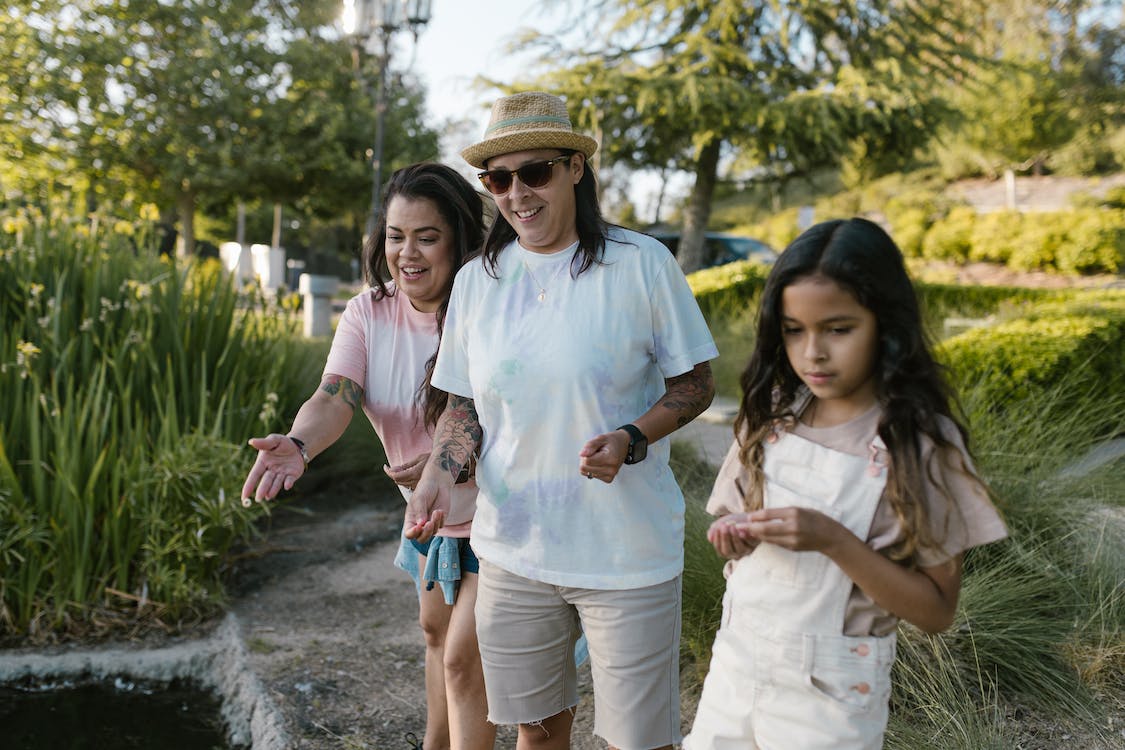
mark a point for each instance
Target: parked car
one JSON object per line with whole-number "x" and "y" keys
{"x": 723, "y": 248}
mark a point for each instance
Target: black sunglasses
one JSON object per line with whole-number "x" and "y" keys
{"x": 534, "y": 175}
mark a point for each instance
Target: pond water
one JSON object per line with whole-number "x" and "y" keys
{"x": 119, "y": 715}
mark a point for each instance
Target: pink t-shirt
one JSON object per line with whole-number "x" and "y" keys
{"x": 383, "y": 344}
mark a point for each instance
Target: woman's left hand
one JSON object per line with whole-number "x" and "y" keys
{"x": 794, "y": 528}
{"x": 603, "y": 456}
{"x": 407, "y": 474}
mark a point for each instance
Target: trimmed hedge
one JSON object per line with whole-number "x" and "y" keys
{"x": 729, "y": 289}
{"x": 733, "y": 289}
{"x": 941, "y": 301}
{"x": 1009, "y": 362}
{"x": 1079, "y": 241}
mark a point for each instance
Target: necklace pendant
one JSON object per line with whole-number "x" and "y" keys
{"x": 542, "y": 294}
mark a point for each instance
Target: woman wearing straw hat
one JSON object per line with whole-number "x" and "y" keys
{"x": 572, "y": 349}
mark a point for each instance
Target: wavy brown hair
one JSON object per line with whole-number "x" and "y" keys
{"x": 463, "y": 211}
{"x": 910, "y": 385}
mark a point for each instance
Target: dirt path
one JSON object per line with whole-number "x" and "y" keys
{"x": 331, "y": 629}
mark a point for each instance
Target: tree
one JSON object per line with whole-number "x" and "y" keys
{"x": 1050, "y": 73}
{"x": 211, "y": 99}
{"x": 785, "y": 87}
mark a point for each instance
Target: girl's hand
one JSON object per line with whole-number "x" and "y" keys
{"x": 797, "y": 529}
{"x": 407, "y": 474}
{"x": 278, "y": 466}
{"x": 730, "y": 538}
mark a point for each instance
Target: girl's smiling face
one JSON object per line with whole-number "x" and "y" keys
{"x": 419, "y": 248}
{"x": 832, "y": 343}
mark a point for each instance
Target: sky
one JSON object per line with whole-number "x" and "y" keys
{"x": 467, "y": 38}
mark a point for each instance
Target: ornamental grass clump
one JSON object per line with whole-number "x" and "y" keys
{"x": 130, "y": 384}
{"x": 1041, "y": 615}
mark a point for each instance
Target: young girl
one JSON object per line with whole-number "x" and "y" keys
{"x": 844, "y": 505}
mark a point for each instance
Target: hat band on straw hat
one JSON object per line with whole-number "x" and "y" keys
{"x": 524, "y": 120}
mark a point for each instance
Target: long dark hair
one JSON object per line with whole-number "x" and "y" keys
{"x": 592, "y": 227}
{"x": 910, "y": 384}
{"x": 463, "y": 211}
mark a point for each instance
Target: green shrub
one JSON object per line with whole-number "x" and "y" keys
{"x": 1040, "y": 237}
{"x": 928, "y": 200}
{"x": 777, "y": 231}
{"x": 951, "y": 237}
{"x": 941, "y": 301}
{"x": 729, "y": 289}
{"x": 841, "y": 205}
{"x": 909, "y": 228}
{"x": 1082, "y": 240}
{"x": 995, "y": 236}
{"x": 1095, "y": 242}
{"x": 1009, "y": 362}
{"x": 1115, "y": 197}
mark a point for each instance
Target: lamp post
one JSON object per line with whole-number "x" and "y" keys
{"x": 371, "y": 24}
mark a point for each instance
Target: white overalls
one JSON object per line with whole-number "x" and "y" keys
{"x": 782, "y": 675}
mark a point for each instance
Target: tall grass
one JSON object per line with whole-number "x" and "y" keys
{"x": 703, "y": 582}
{"x": 130, "y": 385}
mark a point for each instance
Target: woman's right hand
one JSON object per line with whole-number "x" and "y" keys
{"x": 278, "y": 466}
{"x": 427, "y": 508}
{"x": 730, "y": 538}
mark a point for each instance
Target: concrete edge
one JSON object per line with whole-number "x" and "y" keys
{"x": 218, "y": 663}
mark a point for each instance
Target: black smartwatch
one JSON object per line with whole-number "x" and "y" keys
{"x": 638, "y": 444}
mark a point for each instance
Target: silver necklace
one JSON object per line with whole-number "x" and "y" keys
{"x": 542, "y": 290}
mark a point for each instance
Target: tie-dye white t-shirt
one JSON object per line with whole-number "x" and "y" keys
{"x": 550, "y": 362}
{"x": 383, "y": 344}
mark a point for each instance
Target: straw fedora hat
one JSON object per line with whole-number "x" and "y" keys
{"x": 526, "y": 121}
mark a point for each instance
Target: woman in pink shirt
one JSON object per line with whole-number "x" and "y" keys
{"x": 382, "y": 356}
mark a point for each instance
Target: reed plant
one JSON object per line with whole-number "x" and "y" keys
{"x": 131, "y": 383}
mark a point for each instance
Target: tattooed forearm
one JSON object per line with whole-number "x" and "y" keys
{"x": 457, "y": 435}
{"x": 338, "y": 386}
{"x": 689, "y": 394}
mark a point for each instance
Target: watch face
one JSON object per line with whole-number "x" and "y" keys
{"x": 638, "y": 444}
{"x": 638, "y": 449}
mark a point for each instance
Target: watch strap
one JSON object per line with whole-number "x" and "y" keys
{"x": 635, "y": 433}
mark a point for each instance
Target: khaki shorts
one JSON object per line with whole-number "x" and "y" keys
{"x": 527, "y": 631}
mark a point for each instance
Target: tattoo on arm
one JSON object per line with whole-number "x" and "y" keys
{"x": 337, "y": 386}
{"x": 689, "y": 394}
{"x": 457, "y": 435}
